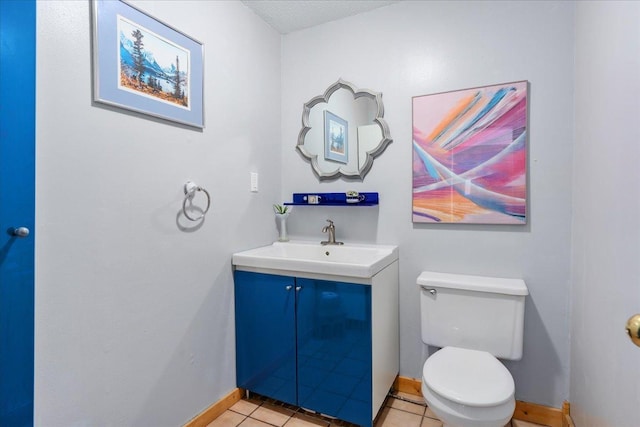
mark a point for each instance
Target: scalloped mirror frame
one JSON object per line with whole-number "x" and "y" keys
{"x": 371, "y": 154}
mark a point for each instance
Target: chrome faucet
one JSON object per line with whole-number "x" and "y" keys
{"x": 331, "y": 229}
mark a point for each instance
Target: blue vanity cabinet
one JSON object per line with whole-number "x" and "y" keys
{"x": 334, "y": 349}
{"x": 266, "y": 335}
{"x": 307, "y": 342}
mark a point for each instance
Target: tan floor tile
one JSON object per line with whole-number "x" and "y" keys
{"x": 245, "y": 407}
{"x": 276, "y": 415}
{"x": 227, "y": 419}
{"x": 405, "y": 406}
{"x": 429, "y": 413}
{"x": 395, "y": 418}
{"x": 250, "y": 422}
{"x": 520, "y": 423}
{"x": 303, "y": 420}
{"x": 430, "y": 422}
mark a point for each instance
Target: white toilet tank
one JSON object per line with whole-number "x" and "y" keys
{"x": 473, "y": 312}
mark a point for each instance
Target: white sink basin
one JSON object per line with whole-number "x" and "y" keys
{"x": 352, "y": 260}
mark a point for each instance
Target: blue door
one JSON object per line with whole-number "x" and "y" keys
{"x": 17, "y": 193}
{"x": 266, "y": 335}
{"x": 334, "y": 349}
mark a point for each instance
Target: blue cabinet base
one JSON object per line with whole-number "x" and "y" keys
{"x": 306, "y": 342}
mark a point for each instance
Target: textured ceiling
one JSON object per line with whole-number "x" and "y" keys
{"x": 291, "y": 15}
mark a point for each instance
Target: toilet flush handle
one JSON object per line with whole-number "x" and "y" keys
{"x": 432, "y": 291}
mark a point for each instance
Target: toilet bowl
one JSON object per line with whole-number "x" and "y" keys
{"x": 468, "y": 388}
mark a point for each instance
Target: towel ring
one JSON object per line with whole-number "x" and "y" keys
{"x": 190, "y": 189}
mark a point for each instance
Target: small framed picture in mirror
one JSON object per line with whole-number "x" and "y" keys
{"x": 336, "y": 138}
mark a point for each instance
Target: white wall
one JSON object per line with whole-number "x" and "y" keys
{"x": 134, "y": 318}
{"x": 134, "y": 315}
{"x": 415, "y": 48}
{"x": 605, "y": 380}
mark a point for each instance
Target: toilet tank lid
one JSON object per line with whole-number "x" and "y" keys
{"x": 473, "y": 283}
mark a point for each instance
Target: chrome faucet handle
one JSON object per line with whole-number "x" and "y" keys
{"x": 331, "y": 229}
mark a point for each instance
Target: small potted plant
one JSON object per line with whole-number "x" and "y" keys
{"x": 282, "y": 212}
{"x": 281, "y": 209}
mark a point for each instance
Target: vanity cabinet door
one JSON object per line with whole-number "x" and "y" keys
{"x": 265, "y": 335}
{"x": 334, "y": 349}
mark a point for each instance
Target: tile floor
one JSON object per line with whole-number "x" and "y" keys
{"x": 404, "y": 410}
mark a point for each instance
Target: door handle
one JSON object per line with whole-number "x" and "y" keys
{"x": 20, "y": 232}
{"x": 633, "y": 329}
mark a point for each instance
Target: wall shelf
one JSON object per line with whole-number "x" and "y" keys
{"x": 332, "y": 199}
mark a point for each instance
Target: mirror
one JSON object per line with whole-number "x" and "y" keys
{"x": 343, "y": 131}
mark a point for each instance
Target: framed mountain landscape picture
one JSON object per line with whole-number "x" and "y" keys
{"x": 470, "y": 155}
{"x": 144, "y": 65}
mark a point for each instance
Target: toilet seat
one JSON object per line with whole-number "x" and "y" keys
{"x": 468, "y": 377}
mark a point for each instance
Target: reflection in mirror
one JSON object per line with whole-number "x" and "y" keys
{"x": 343, "y": 131}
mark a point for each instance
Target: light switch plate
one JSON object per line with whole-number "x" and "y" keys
{"x": 254, "y": 182}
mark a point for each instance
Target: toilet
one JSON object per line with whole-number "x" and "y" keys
{"x": 474, "y": 320}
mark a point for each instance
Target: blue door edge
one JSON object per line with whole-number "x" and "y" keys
{"x": 17, "y": 209}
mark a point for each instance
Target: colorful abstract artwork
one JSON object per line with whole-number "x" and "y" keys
{"x": 469, "y": 155}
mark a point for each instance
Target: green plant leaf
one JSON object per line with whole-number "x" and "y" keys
{"x": 280, "y": 209}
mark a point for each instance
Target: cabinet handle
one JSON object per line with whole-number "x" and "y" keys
{"x": 298, "y": 288}
{"x": 288, "y": 287}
